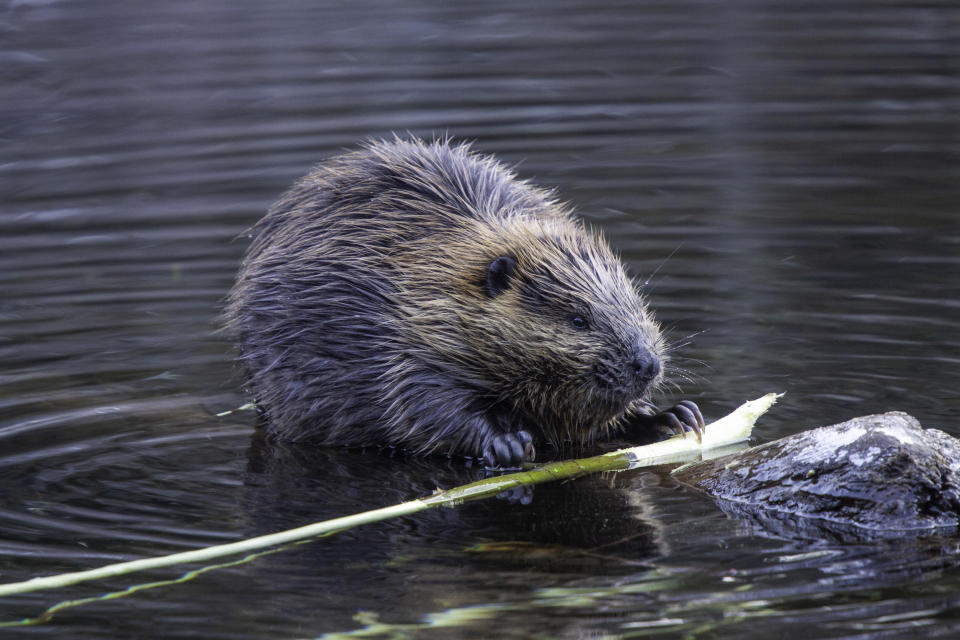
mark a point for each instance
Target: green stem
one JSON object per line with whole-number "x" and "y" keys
{"x": 729, "y": 430}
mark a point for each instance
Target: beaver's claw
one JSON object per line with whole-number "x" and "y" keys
{"x": 509, "y": 450}
{"x": 680, "y": 418}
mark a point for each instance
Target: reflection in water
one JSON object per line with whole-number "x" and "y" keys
{"x": 568, "y": 531}
{"x": 800, "y": 162}
{"x": 288, "y": 483}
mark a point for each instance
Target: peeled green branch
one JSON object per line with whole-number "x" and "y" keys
{"x": 732, "y": 429}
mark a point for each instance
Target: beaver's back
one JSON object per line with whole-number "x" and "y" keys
{"x": 316, "y": 306}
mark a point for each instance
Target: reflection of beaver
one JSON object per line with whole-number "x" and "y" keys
{"x": 417, "y": 295}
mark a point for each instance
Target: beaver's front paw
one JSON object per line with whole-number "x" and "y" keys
{"x": 680, "y": 418}
{"x": 648, "y": 425}
{"x": 509, "y": 450}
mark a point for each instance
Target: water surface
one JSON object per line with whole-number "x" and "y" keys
{"x": 784, "y": 175}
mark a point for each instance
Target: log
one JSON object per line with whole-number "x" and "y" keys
{"x": 877, "y": 475}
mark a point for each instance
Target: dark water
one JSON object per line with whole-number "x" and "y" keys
{"x": 800, "y": 161}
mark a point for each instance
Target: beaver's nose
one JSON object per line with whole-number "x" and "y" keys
{"x": 645, "y": 366}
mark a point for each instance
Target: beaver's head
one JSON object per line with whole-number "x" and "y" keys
{"x": 541, "y": 317}
{"x": 580, "y": 344}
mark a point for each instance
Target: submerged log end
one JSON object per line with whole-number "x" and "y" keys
{"x": 880, "y": 472}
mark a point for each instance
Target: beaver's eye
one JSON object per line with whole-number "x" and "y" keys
{"x": 578, "y": 322}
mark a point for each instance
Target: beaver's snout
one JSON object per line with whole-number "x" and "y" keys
{"x": 645, "y": 367}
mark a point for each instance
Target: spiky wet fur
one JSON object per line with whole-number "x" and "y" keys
{"x": 362, "y": 318}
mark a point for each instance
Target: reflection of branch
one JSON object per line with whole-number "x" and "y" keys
{"x": 731, "y": 429}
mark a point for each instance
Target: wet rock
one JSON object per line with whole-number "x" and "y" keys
{"x": 874, "y": 474}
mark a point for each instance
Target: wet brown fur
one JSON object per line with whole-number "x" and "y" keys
{"x": 362, "y": 316}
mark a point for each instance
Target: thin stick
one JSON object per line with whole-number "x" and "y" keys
{"x": 733, "y": 428}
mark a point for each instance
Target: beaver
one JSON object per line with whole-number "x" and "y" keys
{"x": 418, "y": 295}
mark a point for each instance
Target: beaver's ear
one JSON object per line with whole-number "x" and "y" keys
{"x": 498, "y": 275}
